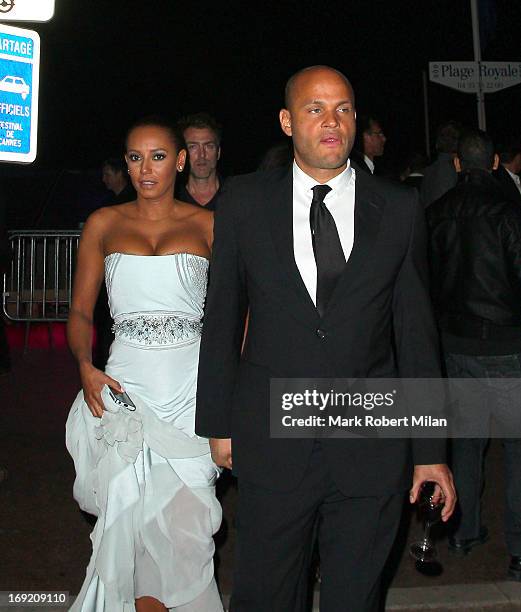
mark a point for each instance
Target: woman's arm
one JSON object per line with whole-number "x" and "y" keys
{"x": 87, "y": 282}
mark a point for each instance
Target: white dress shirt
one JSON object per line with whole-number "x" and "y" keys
{"x": 340, "y": 202}
{"x": 369, "y": 163}
{"x": 515, "y": 178}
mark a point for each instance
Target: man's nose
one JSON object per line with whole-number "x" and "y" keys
{"x": 330, "y": 118}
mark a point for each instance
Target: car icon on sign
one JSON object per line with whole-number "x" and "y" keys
{"x": 15, "y": 84}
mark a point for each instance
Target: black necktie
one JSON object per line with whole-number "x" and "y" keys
{"x": 327, "y": 248}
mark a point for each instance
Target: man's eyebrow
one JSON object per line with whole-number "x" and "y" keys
{"x": 324, "y": 102}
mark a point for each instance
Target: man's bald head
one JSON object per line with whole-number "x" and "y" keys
{"x": 320, "y": 118}
{"x": 294, "y": 79}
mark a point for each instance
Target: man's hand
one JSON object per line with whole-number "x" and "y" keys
{"x": 444, "y": 491}
{"x": 221, "y": 452}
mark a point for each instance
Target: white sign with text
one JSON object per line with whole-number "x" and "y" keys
{"x": 19, "y": 80}
{"x": 467, "y": 76}
{"x": 26, "y": 10}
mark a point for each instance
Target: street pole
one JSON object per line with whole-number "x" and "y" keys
{"x": 426, "y": 114}
{"x": 482, "y": 121}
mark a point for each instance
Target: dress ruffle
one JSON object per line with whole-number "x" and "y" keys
{"x": 155, "y": 524}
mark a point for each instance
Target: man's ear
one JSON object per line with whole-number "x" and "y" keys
{"x": 457, "y": 164}
{"x": 495, "y": 165}
{"x": 285, "y": 121}
{"x": 218, "y": 152}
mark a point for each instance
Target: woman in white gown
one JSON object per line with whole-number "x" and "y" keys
{"x": 140, "y": 468}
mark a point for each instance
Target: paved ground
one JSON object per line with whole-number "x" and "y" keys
{"x": 44, "y": 539}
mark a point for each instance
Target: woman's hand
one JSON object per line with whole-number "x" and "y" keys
{"x": 92, "y": 381}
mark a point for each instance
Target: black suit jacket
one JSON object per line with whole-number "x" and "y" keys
{"x": 509, "y": 188}
{"x": 358, "y": 161}
{"x": 377, "y": 324}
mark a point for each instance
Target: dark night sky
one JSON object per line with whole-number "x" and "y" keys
{"x": 107, "y": 62}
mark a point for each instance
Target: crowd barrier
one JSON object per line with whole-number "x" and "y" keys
{"x": 37, "y": 286}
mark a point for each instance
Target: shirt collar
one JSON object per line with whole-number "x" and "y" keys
{"x": 370, "y": 164}
{"x": 338, "y": 184}
{"x": 513, "y": 175}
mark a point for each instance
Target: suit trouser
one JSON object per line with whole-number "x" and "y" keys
{"x": 275, "y": 539}
{"x": 468, "y": 453}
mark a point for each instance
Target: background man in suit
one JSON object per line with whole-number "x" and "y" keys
{"x": 313, "y": 315}
{"x": 114, "y": 175}
{"x": 508, "y": 170}
{"x": 441, "y": 175}
{"x": 370, "y": 142}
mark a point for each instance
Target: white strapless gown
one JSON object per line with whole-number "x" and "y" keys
{"x": 144, "y": 473}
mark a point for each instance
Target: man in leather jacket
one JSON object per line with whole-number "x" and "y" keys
{"x": 475, "y": 252}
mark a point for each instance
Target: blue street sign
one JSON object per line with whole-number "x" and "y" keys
{"x": 19, "y": 76}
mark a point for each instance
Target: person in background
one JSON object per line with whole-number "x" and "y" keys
{"x": 202, "y": 135}
{"x": 475, "y": 253}
{"x": 115, "y": 177}
{"x": 441, "y": 175}
{"x": 370, "y": 142}
{"x": 413, "y": 173}
{"x": 507, "y": 172}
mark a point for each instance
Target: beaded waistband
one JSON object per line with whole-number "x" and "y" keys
{"x": 158, "y": 329}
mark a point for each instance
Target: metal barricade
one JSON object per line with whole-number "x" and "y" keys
{"x": 38, "y": 284}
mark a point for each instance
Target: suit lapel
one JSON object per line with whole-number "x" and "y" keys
{"x": 369, "y": 207}
{"x": 279, "y": 202}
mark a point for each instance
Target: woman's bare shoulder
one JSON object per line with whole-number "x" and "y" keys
{"x": 105, "y": 216}
{"x": 195, "y": 213}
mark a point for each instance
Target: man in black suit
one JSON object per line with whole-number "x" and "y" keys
{"x": 508, "y": 171}
{"x": 311, "y": 315}
{"x": 370, "y": 143}
{"x": 440, "y": 176}
{"x": 114, "y": 175}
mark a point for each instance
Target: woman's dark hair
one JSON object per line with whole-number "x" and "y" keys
{"x": 161, "y": 122}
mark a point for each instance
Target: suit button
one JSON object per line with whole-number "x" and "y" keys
{"x": 321, "y": 333}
